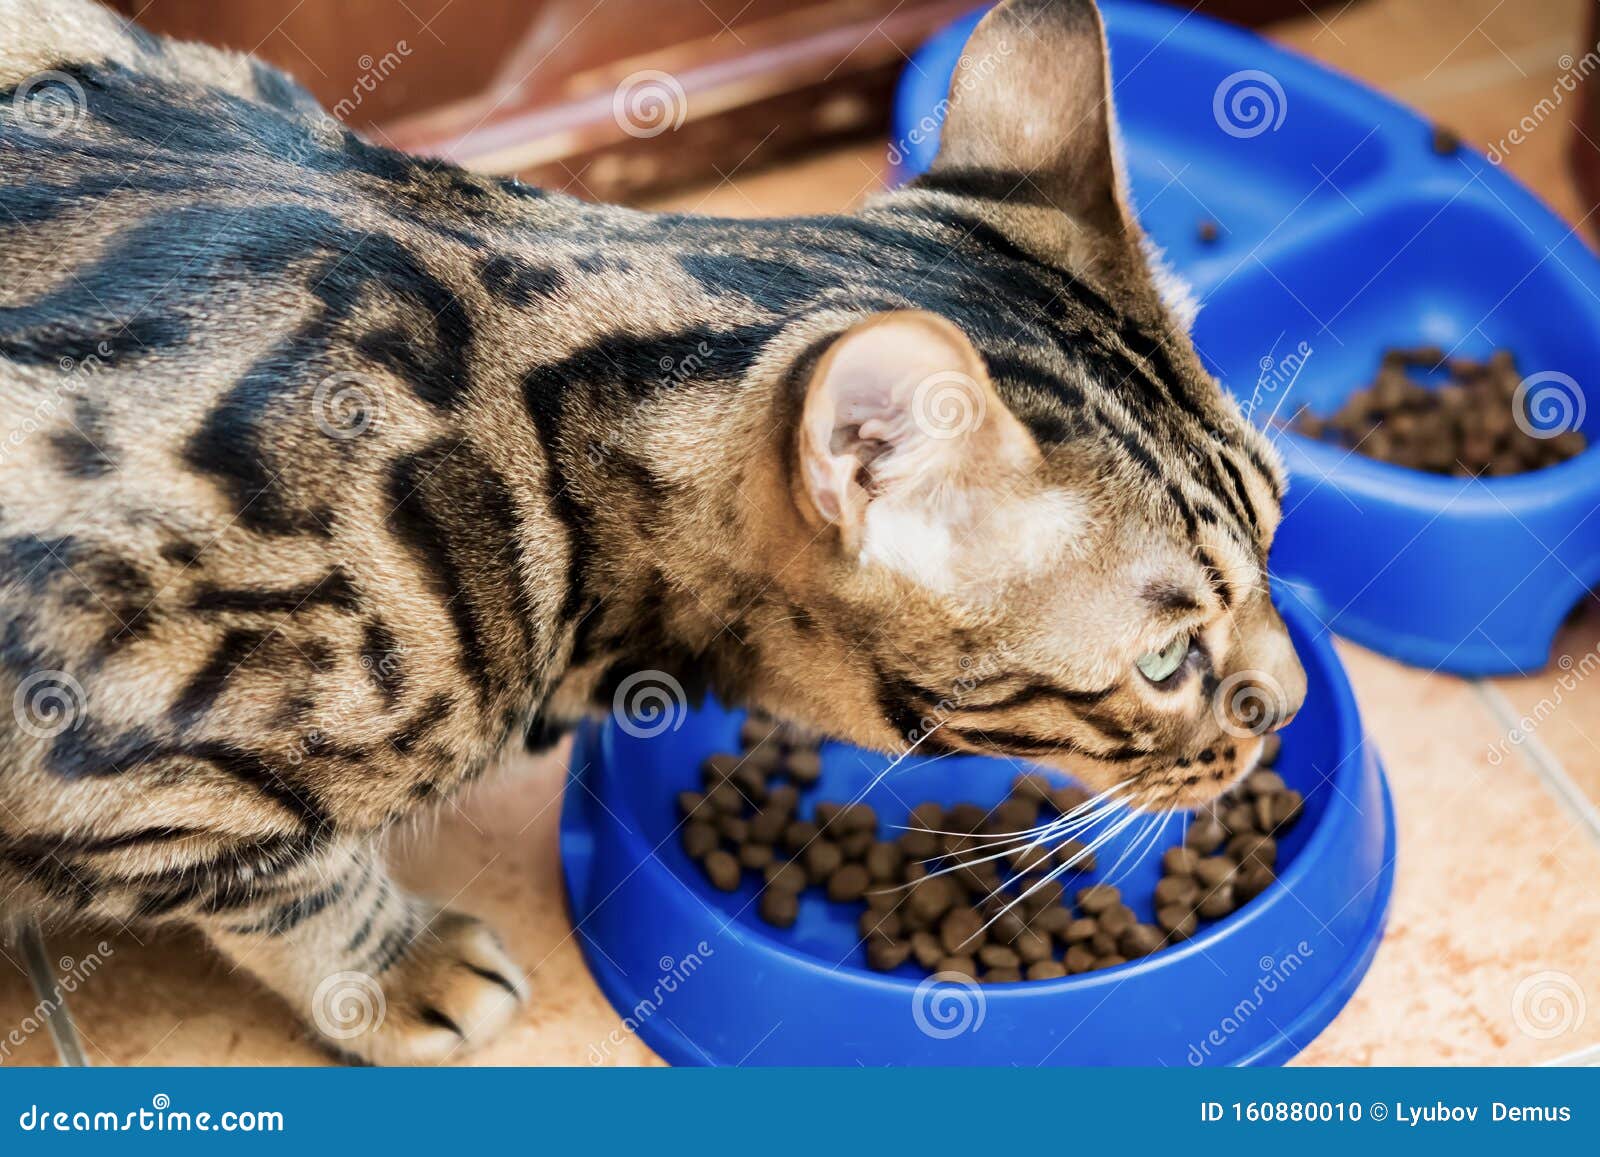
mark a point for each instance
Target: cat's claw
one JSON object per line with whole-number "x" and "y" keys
{"x": 454, "y": 990}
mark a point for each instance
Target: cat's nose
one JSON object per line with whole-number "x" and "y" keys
{"x": 1267, "y": 684}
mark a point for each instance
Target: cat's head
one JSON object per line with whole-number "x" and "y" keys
{"x": 1040, "y": 526}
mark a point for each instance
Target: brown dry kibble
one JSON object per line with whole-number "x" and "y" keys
{"x": 928, "y": 951}
{"x": 788, "y": 876}
{"x": 1252, "y": 880}
{"x": 1214, "y": 871}
{"x": 879, "y": 925}
{"x": 779, "y": 907}
{"x": 848, "y": 883}
{"x": 960, "y": 964}
{"x": 885, "y": 862}
{"x": 1080, "y": 930}
{"x": 822, "y": 859}
{"x": 1217, "y": 903}
{"x": 1140, "y": 940}
{"x": 974, "y": 920}
{"x": 722, "y": 870}
{"x": 799, "y": 835}
{"x": 932, "y": 897}
{"x": 887, "y": 955}
{"x": 766, "y": 826}
{"x": 755, "y": 856}
{"x": 1177, "y": 920}
{"x": 1097, "y": 898}
{"x": 1205, "y": 835}
{"x": 700, "y": 839}
{"x": 1465, "y": 428}
{"x": 1117, "y": 919}
{"x": 998, "y": 956}
{"x": 1177, "y": 890}
{"x": 1075, "y": 856}
{"x": 1180, "y": 861}
{"x": 961, "y": 931}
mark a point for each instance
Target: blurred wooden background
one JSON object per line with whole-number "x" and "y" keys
{"x": 578, "y": 94}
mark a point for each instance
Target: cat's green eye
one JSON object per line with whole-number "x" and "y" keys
{"x": 1159, "y": 666}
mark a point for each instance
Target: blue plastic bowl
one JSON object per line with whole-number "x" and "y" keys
{"x": 697, "y": 975}
{"x": 1343, "y": 230}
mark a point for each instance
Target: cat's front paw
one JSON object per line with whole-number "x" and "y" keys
{"x": 452, "y": 990}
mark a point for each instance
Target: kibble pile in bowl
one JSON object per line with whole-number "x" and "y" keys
{"x": 1475, "y": 424}
{"x": 925, "y": 897}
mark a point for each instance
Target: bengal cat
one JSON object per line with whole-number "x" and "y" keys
{"x": 325, "y": 470}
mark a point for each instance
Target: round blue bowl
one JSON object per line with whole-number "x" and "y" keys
{"x": 1343, "y": 234}
{"x": 703, "y": 981}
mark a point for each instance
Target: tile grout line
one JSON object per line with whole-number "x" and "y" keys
{"x": 1544, "y": 763}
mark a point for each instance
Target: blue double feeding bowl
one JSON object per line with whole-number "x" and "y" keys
{"x": 701, "y": 980}
{"x": 1344, "y": 233}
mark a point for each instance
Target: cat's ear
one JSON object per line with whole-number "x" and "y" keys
{"x": 901, "y": 426}
{"x": 1032, "y": 100}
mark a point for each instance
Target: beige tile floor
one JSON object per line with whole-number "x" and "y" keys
{"x": 1498, "y": 878}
